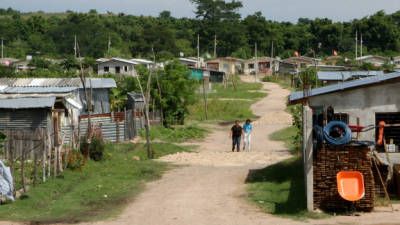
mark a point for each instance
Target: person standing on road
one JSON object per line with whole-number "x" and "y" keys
{"x": 236, "y": 134}
{"x": 247, "y": 127}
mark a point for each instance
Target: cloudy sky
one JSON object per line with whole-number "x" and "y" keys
{"x": 280, "y": 10}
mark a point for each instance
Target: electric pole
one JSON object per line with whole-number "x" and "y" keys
{"x": 109, "y": 45}
{"x": 2, "y": 48}
{"x": 272, "y": 66}
{"x": 215, "y": 46}
{"x": 361, "y": 50}
{"x": 255, "y": 55}
{"x": 198, "y": 50}
{"x": 75, "y": 45}
{"x": 356, "y": 44}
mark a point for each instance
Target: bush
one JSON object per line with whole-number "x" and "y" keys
{"x": 96, "y": 148}
{"x": 74, "y": 159}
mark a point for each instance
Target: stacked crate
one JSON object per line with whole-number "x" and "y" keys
{"x": 329, "y": 161}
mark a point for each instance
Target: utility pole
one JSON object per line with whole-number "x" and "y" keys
{"x": 272, "y": 64}
{"x": 255, "y": 55}
{"x": 215, "y": 46}
{"x": 2, "y": 48}
{"x": 361, "y": 50}
{"x": 109, "y": 45}
{"x": 198, "y": 50}
{"x": 75, "y": 45}
{"x": 356, "y": 44}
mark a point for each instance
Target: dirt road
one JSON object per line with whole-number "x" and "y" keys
{"x": 210, "y": 190}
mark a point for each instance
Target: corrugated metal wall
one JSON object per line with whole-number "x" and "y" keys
{"x": 112, "y": 130}
{"x": 23, "y": 119}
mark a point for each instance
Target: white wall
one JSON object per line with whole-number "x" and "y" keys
{"x": 112, "y": 65}
{"x": 362, "y": 103}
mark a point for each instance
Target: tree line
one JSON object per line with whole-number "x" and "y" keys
{"x": 52, "y": 35}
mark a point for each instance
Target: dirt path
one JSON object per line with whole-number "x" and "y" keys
{"x": 210, "y": 190}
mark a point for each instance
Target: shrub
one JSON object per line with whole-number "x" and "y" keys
{"x": 74, "y": 159}
{"x": 96, "y": 148}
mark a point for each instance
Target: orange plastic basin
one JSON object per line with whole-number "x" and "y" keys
{"x": 350, "y": 185}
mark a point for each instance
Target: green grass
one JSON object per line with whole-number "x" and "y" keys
{"x": 279, "y": 190}
{"x": 286, "y": 135}
{"x": 219, "y": 110}
{"x": 241, "y": 91}
{"x": 177, "y": 134}
{"x": 222, "y": 110}
{"x": 279, "y": 80}
{"x": 100, "y": 190}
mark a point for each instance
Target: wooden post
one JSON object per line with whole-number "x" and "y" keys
{"x": 43, "y": 139}
{"x": 49, "y": 152}
{"x": 11, "y": 144}
{"x": 35, "y": 165}
{"x": 117, "y": 127}
{"x": 205, "y": 99}
{"x": 134, "y": 122}
{"x": 233, "y": 82}
{"x": 23, "y": 169}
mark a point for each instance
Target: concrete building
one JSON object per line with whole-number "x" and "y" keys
{"x": 302, "y": 62}
{"x": 366, "y": 98}
{"x": 331, "y": 60}
{"x": 396, "y": 63}
{"x": 373, "y": 59}
{"x": 116, "y": 66}
{"x": 228, "y": 65}
{"x": 265, "y": 65}
{"x": 147, "y": 63}
{"x": 370, "y": 100}
{"x": 193, "y": 61}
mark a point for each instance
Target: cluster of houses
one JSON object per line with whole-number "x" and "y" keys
{"x": 228, "y": 65}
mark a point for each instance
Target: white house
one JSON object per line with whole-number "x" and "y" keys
{"x": 149, "y": 64}
{"x": 117, "y": 66}
{"x": 375, "y": 60}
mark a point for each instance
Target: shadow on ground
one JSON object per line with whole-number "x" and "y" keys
{"x": 279, "y": 189}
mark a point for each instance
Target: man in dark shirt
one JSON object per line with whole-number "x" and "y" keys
{"x": 236, "y": 134}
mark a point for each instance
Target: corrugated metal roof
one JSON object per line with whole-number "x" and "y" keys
{"x": 27, "y": 103}
{"x": 57, "y": 82}
{"x": 345, "y": 85}
{"x": 31, "y": 90}
{"x": 340, "y": 75}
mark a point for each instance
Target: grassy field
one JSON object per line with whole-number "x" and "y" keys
{"x": 177, "y": 134}
{"x": 236, "y": 108}
{"x": 100, "y": 190}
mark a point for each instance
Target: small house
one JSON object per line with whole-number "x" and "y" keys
{"x": 264, "y": 65}
{"x": 147, "y": 63}
{"x": 335, "y": 77}
{"x": 228, "y": 65}
{"x": 28, "y": 122}
{"x": 302, "y": 62}
{"x": 396, "y": 63}
{"x": 68, "y": 89}
{"x": 361, "y": 102}
{"x": 193, "y": 61}
{"x": 199, "y": 73}
{"x": 332, "y": 60}
{"x": 116, "y": 66}
{"x": 372, "y": 59}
